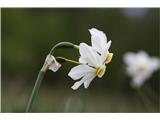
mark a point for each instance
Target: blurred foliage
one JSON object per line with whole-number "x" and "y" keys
{"x": 29, "y": 34}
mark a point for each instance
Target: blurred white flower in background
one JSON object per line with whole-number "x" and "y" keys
{"x": 140, "y": 66}
{"x": 95, "y": 66}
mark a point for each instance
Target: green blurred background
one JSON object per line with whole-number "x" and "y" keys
{"x": 29, "y": 34}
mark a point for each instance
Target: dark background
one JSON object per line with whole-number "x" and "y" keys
{"x": 29, "y": 34}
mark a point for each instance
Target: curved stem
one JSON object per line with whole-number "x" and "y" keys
{"x": 63, "y": 45}
{"x": 35, "y": 90}
{"x": 44, "y": 69}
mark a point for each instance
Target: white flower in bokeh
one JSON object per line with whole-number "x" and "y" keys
{"x": 140, "y": 66}
{"x": 95, "y": 67}
{"x": 51, "y": 64}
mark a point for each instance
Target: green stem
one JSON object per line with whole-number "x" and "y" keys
{"x": 145, "y": 100}
{"x": 63, "y": 59}
{"x": 35, "y": 90}
{"x": 44, "y": 69}
{"x": 63, "y": 45}
{"x": 39, "y": 80}
{"x": 150, "y": 91}
{"x": 154, "y": 97}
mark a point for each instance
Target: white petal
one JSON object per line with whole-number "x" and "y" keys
{"x": 140, "y": 78}
{"x": 79, "y": 71}
{"x": 108, "y": 45}
{"x": 87, "y": 82}
{"x": 81, "y": 60}
{"x": 129, "y": 58}
{"x": 138, "y": 81}
{"x": 77, "y": 85}
{"x": 154, "y": 63}
{"x": 87, "y": 77}
{"x": 132, "y": 70}
{"x": 55, "y": 66}
{"x": 104, "y": 53}
{"x": 104, "y": 56}
{"x": 89, "y": 55}
{"x": 98, "y": 39}
{"x": 142, "y": 54}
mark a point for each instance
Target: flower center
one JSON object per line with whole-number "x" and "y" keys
{"x": 141, "y": 67}
{"x": 108, "y": 58}
{"x": 100, "y": 70}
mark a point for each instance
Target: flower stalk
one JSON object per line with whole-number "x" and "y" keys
{"x": 145, "y": 100}
{"x": 35, "y": 90}
{"x": 63, "y": 59}
{"x": 49, "y": 62}
{"x": 63, "y": 45}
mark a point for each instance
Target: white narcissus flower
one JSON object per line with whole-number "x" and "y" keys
{"x": 100, "y": 44}
{"x": 95, "y": 67}
{"x": 51, "y": 64}
{"x": 140, "y": 67}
